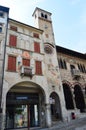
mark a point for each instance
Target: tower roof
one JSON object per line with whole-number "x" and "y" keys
{"x": 41, "y": 10}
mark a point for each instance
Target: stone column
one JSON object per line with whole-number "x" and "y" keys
{"x": 48, "y": 115}
{"x": 74, "y": 99}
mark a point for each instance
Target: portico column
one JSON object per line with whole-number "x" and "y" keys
{"x": 48, "y": 115}
{"x": 74, "y": 99}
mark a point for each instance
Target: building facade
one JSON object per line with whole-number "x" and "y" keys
{"x": 72, "y": 67}
{"x": 33, "y": 93}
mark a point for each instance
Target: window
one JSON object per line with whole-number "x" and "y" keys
{"x": 38, "y": 67}
{"x": 42, "y": 15}
{"x": 26, "y": 62}
{"x": 72, "y": 67}
{"x": 81, "y": 68}
{"x": 12, "y": 40}
{"x": 0, "y": 29}
{"x": 36, "y": 35}
{"x": 45, "y": 16}
{"x": 37, "y": 47}
{"x": 1, "y": 14}
{"x": 13, "y": 28}
{"x": 65, "y": 66}
{"x": 62, "y": 64}
{"x": 12, "y": 63}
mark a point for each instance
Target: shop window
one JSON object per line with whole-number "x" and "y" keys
{"x": 11, "y": 63}
{"x": 26, "y": 62}
{"x": 38, "y": 67}
{"x": 37, "y": 47}
{"x": 12, "y": 40}
{"x": 35, "y": 35}
{"x": 13, "y": 28}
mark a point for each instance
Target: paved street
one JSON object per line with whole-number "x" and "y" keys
{"x": 78, "y": 124}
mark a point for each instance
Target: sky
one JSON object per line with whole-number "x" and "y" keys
{"x": 68, "y": 18}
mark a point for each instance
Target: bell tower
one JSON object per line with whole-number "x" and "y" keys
{"x": 42, "y": 20}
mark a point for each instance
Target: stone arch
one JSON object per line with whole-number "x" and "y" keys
{"x": 55, "y": 107}
{"x": 79, "y": 98}
{"x": 68, "y": 96}
{"x": 66, "y": 82}
{"x": 29, "y": 95}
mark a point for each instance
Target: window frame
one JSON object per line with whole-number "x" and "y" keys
{"x": 13, "y": 28}
{"x": 36, "y": 47}
{"x": 38, "y": 67}
{"x": 12, "y": 67}
{"x": 35, "y": 35}
{"x": 25, "y": 60}
{"x": 11, "y": 38}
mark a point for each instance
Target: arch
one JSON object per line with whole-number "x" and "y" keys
{"x": 25, "y": 101}
{"x": 68, "y": 96}
{"x": 27, "y": 84}
{"x": 66, "y": 82}
{"x": 55, "y": 107}
{"x": 79, "y": 98}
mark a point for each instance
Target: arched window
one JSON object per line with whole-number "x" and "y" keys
{"x": 72, "y": 67}
{"x": 68, "y": 97}
{"x": 65, "y": 66}
{"x": 42, "y": 15}
{"x": 82, "y": 68}
{"x": 46, "y": 16}
{"x": 62, "y": 64}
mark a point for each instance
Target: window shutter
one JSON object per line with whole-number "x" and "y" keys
{"x": 12, "y": 40}
{"x": 13, "y": 28}
{"x": 36, "y": 47}
{"x": 38, "y": 68}
{"x": 36, "y": 35}
{"x": 11, "y": 63}
{"x": 26, "y": 62}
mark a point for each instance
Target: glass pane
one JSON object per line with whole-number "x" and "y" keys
{"x": 10, "y": 117}
{"x": 36, "y": 115}
{"x": 34, "y": 121}
{"x": 20, "y": 116}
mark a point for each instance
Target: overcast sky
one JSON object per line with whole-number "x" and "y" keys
{"x": 68, "y": 16}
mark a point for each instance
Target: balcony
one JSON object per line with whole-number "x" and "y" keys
{"x": 76, "y": 73}
{"x": 26, "y": 71}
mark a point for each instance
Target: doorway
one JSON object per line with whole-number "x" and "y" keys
{"x": 55, "y": 107}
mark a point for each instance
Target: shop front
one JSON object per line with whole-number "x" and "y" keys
{"x": 23, "y": 109}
